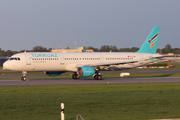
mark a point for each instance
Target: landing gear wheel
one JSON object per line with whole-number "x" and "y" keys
{"x": 23, "y": 78}
{"x": 97, "y": 77}
{"x": 75, "y": 76}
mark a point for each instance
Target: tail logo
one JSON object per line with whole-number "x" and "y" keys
{"x": 153, "y": 40}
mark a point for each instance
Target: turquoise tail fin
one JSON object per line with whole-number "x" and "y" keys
{"x": 150, "y": 45}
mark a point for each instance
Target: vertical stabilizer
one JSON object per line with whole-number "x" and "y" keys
{"x": 150, "y": 45}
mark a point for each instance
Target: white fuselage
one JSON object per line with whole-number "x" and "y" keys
{"x": 49, "y": 61}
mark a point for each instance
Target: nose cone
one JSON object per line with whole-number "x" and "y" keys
{"x": 6, "y": 65}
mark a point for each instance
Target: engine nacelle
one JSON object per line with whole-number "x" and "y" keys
{"x": 54, "y": 73}
{"x": 85, "y": 71}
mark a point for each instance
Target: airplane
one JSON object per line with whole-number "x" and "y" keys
{"x": 85, "y": 64}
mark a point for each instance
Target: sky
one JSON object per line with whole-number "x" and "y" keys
{"x": 25, "y": 24}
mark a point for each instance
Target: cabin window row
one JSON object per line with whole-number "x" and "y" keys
{"x": 119, "y": 58}
{"x": 82, "y": 58}
{"x": 75, "y": 58}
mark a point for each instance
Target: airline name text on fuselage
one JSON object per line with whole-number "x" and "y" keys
{"x": 44, "y": 55}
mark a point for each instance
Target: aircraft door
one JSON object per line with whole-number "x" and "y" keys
{"x": 28, "y": 59}
{"x": 101, "y": 59}
{"x": 61, "y": 58}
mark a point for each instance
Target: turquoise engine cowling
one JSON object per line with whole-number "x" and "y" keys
{"x": 85, "y": 71}
{"x": 54, "y": 73}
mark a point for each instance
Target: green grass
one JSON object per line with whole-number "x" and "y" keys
{"x": 157, "y": 64}
{"x": 93, "y": 102}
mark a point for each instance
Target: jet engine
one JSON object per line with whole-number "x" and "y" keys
{"x": 54, "y": 73}
{"x": 85, "y": 71}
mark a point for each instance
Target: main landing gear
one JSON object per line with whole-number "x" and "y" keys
{"x": 97, "y": 75}
{"x": 75, "y": 76}
{"x": 23, "y": 78}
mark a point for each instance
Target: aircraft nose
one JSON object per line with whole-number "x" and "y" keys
{"x": 5, "y": 65}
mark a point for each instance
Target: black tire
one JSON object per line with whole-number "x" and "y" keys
{"x": 95, "y": 77}
{"x": 99, "y": 77}
{"x": 23, "y": 78}
{"x": 75, "y": 76}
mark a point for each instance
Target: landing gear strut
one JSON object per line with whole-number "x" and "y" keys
{"x": 75, "y": 76}
{"x": 23, "y": 78}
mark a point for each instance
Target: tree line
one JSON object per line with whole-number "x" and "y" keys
{"x": 104, "y": 48}
{"x": 107, "y": 48}
{"x": 9, "y": 53}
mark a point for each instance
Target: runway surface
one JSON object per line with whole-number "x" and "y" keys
{"x": 89, "y": 81}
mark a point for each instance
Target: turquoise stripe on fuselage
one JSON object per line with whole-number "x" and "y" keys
{"x": 150, "y": 45}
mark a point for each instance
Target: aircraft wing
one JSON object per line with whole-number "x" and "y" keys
{"x": 107, "y": 64}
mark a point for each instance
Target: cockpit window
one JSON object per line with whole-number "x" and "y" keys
{"x": 14, "y": 58}
{"x": 11, "y": 58}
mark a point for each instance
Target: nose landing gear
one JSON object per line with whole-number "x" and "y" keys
{"x": 23, "y": 78}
